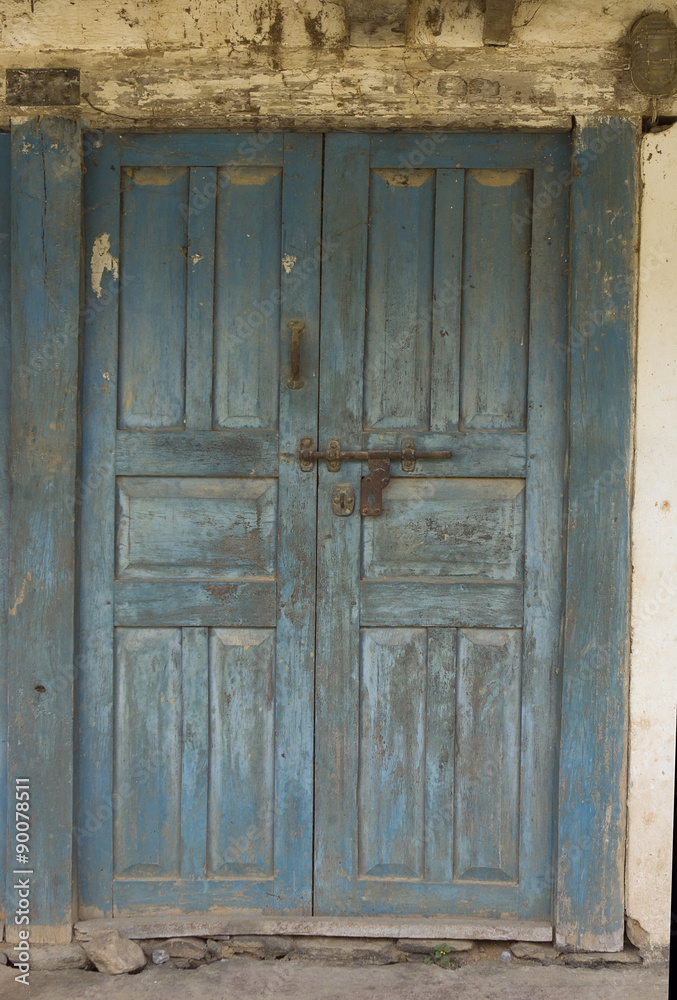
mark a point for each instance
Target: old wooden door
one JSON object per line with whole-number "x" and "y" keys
{"x": 409, "y": 767}
{"x": 443, "y": 319}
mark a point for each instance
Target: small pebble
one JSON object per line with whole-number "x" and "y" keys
{"x": 506, "y": 956}
{"x": 160, "y": 956}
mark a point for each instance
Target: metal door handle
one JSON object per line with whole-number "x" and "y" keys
{"x": 297, "y": 327}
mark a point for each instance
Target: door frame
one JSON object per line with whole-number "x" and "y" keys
{"x": 46, "y": 255}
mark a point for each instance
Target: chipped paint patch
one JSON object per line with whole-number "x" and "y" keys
{"x": 288, "y": 262}
{"x": 21, "y": 595}
{"x": 496, "y": 178}
{"x": 253, "y": 176}
{"x": 102, "y": 260}
{"x": 405, "y": 178}
{"x": 196, "y": 257}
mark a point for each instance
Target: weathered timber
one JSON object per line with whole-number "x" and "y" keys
{"x": 592, "y": 774}
{"x": 45, "y": 212}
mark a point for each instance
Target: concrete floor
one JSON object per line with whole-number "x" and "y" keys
{"x": 249, "y": 979}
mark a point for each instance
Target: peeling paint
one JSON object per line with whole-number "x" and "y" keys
{"x": 21, "y": 595}
{"x": 496, "y": 178}
{"x": 288, "y": 261}
{"x": 102, "y": 260}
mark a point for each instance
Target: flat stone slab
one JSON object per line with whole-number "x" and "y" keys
{"x": 213, "y": 926}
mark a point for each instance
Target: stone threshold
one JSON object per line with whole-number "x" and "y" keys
{"x": 150, "y": 926}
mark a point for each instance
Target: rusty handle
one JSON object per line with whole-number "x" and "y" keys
{"x": 297, "y": 327}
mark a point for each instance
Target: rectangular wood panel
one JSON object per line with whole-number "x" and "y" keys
{"x": 247, "y": 300}
{"x": 391, "y": 791}
{"x": 487, "y": 755}
{"x": 399, "y": 296}
{"x": 419, "y": 602}
{"x": 495, "y": 337}
{"x": 447, "y": 528}
{"x": 195, "y": 602}
{"x": 151, "y": 387}
{"x": 147, "y": 791}
{"x": 200, "y": 453}
{"x": 440, "y": 755}
{"x": 447, "y": 298}
{"x": 200, "y": 528}
{"x": 241, "y": 752}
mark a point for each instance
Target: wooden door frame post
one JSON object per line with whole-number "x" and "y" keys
{"x": 589, "y": 912}
{"x": 46, "y": 176}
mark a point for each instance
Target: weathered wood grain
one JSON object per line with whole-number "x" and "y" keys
{"x": 345, "y": 228}
{"x": 544, "y": 526}
{"x": 399, "y": 298}
{"x": 195, "y": 751}
{"x": 200, "y": 298}
{"x": 473, "y": 605}
{"x": 197, "y": 453}
{"x": 45, "y": 301}
{"x": 147, "y": 926}
{"x": 242, "y": 752}
{"x": 152, "y": 353}
{"x": 592, "y": 774}
{"x": 5, "y": 350}
{"x": 391, "y": 788}
{"x": 297, "y": 510}
{"x": 245, "y": 603}
{"x": 96, "y": 660}
{"x": 447, "y": 528}
{"x": 247, "y": 297}
{"x": 447, "y": 297}
{"x": 198, "y": 528}
{"x": 148, "y": 751}
{"x": 495, "y": 341}
{"x": 486, "y": 767}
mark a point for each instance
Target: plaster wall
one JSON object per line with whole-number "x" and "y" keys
{"x": 242, "y": 64}
{"x": 653, "y": 670}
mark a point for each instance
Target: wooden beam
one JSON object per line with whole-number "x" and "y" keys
{"x": 592, "y": 783}
{"x": 5, "y": 352}
{"x": 45, "y": 248}
{"x": 498, "y": 21}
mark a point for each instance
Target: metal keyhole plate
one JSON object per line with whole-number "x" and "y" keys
{"x": 343, "y": 500}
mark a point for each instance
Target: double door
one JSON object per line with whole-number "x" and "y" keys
{"x": 283, "y": 705}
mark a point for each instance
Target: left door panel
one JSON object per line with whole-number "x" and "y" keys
{"x": 197, "y": 549}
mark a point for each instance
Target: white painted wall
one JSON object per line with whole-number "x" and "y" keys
{"x": 653, "y": 671}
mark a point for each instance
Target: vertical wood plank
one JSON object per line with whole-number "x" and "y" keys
{"x": 195, "y": 756}
{"x": 200, "y": 298}
{"x": 5, "y": 351}
{"x": 440, "y": 751}
{"x": 247, "y": 301}
{"x": 346, "y": 204}
{"x": 397, "y": 349}
{"x": 487, "y": 754}
{"x": 391, "y": 793}
{"x": 592, "y": 783}
{"x": 241, "y": 735}
{"x": 447, "y": 284}
{"x": 495, "y": 338}
{"x": 45, "y": 234}
{"x": 151, "y": 393}
{"x": 301, "y": 201}
{"x": 94, "y": 818}
{"x": 544, "y": 525}
{"x": 147, "y": 736}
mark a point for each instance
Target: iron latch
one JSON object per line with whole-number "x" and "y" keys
{"x": 371, "y": 491}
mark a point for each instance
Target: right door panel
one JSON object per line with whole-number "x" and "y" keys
{"x": 443, "y": 319}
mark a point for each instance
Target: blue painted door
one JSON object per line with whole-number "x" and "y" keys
{"x": 198, "y": 533}
{"x": 384, "y": 743}
{"x": 437, "y": 685}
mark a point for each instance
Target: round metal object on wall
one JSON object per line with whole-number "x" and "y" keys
{"x": 653, "y": 56}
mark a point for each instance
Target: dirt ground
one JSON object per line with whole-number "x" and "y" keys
{"x": 249, "y": 979}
